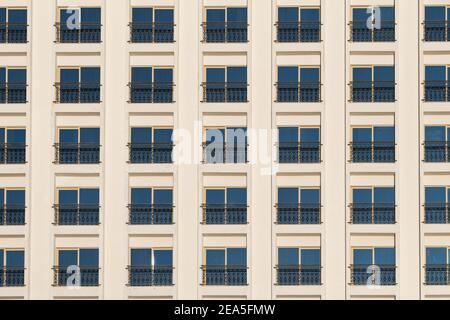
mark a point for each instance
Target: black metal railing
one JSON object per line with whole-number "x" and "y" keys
{"x": 372, "y": 91}
{"x": 12, "y": 215}
{"x": 151, "y": 32}
{"x": 150, "y": 214}
{"x": 302, "y": 213}
{"x": 383, "y": 275}
{"x": 360, "y": 32}
{"x": 77, "y": 92}
{"x": 77, "y": 214}
{"x": 224, "y": 92}
{"x": 299, "y": 275}
{"x": 13, "y": 92}
{"x": 77, "y": 153}
{"x": 224, "y": 214}
{"x": 150, "y": 276}
{"x": 437, "y": 274}
{"x": 299, "y": 152}
{"x": 372, "y": 213}
{"x": 156, "y": 92}
{"x": 84, "y": 276}
{"x": 302, "y": 31}
{"x": 160, "y": 152}
{"x": 12, "y": 277}
{"x": 436, "y": 151}
{"x": 436, "y": 213}
{"x": 225, "y": 153}
{"x": 224, "y": 275}
{"x": 223, "y": 32}
{"x": 12, "y": 153}
{"x": 13, "y": 32}
{"x": 437, "y": 30}
{"x": 83, "y": 32}
{"x": 298, "y": 91}
{"x": 436, "y": 91}
{"x": 372, "y": 152}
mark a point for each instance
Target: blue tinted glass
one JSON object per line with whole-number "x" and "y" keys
{"x": 362, "y": 134}
{"x": 15, "y": 259}
{"x": 163, "y": 196}
{"x": 215, "y": 135}
{"x": 384, "y": 195}
{"x": 90, "y": 75}
{"x": 236, "y": 135}
{"x": 361, "y": 14}
{"x": 90, "y": 135}
{"x": 2, "y": 197}
{"x": 362, "y": 195}
{"x": 2, "y": 15}
{"x": 215, "y": 75}
{"x": 309, "y": 74}
{"x": 310, "y": 14}
{"x": 17, "y": 16}
{"x": 387, "y": 13}
{"x": 2, "y": 135}
{"x": 434, "y": 13}
{"x": 2, "y": 75}
{"x": 309, "y": 134}
{"x": 16, "y": 136}
{"x": 362, "y": 256}
{"x": 91, "y": 15}
{"x": 163, "y": 257}
{"x": 142, "y": 15}
{"x": 435, "y": 195}
{"x": 310, "y": 257}
{"x": 288, "y": 257}
{"x": 163, "y": 75}
{"x": 237, "y": 256}
{"x": 141, "y": 135}
{"x": 434, "y": 133}
{"x": 69, "y": 76}
{"x": 17, "y": 75}
{"x": 2, "y": 257}
{"x": 141, "y": 75}
{"x": 163, "y": 135}
{"x": 215, "y": 15}
{"x": 67, "y": 258}
{"x": 141, "y": 195}
{"x": 68, "y": 135}
{"x": 436, "y": 255}
{"x": 215, "y": 257}
{"x": 89, "y": 196}
{"x": 237, "y": 14}
{"x": 89, "y": 257}
{"x": 141, "y": 257}
{"x": 237, "y": 74}
{"x": 215, "y": 196}
{"x": 362, "y": 74}
{"x": 384, "y": 134}
{"x": 309, "y": 196}
{"x": 288, "y": 134}
{"x": 384, "y": 73}
{"x": 68, "y": 15}
{"x": 288, "y": 195}
{"x": 385, "y": 256}
{"x": 237, "y": 195}
{"x": 435, "y": 73}
{"x": 288, "y": 14}
{"x": 164, "y": 15}
{"x": 68, "y": 196}
{"x": 15, "y": 197}
{"x": 288, "y": 74}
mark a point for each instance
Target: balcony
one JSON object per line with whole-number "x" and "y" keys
{"x": 298, "y": 91}
{"x": 223, "y": 214}
{"x": 437, "y": 274}
{"x": 156, "y": 276}
{"x": 13, "y": 93}
{"x": 224, "y": 275}
{"x": 77, "y": 214}
{"x": 436, "y": 151}
{"x": 372, "y": 152}
{"x": 372, "y": 91}
{"x": 12, "y": 153}
{"x": 156, "y": 32}
{"x": 437, "y": 91}
{"x": 77, "y": 153}
{"x": 77, "y": 92}
{"x": 298, "y": 214}
{"x": 150, "y": 214}
{"x": 64, "y": 276}
{"x": 12, "y": 215}
{"x": 12, "y": 277}
{"x": 299, "y": 152}
{"x": 13, "y": 32}
{"x": 299, "y": 31}
{"x": 225, "y": 32}
{"x": 299, "y": 275}
{"x": 383, "y": 275}
{"x": 436, "y": 213}
{"x": 82, "y": 33}
{"x": 214, "y": 153}
{"x": 372, "y": 213}
{"x": 160, "y": 152}
{"x": 232, "y": 92}
{"x": 436, "y": 31}
{"x": 359, "y": 32}
{"x": 157, "y": 92}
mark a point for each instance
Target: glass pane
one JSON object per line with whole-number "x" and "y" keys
{"x": 141, "y": 195}
{"x": 237, "y": 74}
{"x": 67, "y": 258}
{"x": 215, "y": 75}
{"x": 163, "y": 135}
{"x": 362, "y": 134}
{"x": 2, "y": 257}
{"x": 91, "y": 135}
{"x": 15, "y": 259}
{"x": 288, "y": 195}
{"x": 90, "y": 75}
{"x": 68, "y": 196}
{"x": 237, "y": 196}
{"x": 288, "y": 134}
{"x": 2, "y": 197}
{"x": 215, "y": 257}
{"x": 434, "y": 13}
{"x": 308, "y": 196}
{"x": 91, "y": 15}
{"x": 215, "y": 15}
{"x": 2, "y": 75}
{"x": 215, "y": 135}
{"x": 89, "y": 257}
{"x": 310, "y": 14}
{"x": 384, "y": 195}
{"x": 164, "y": 15}
{"x": 434, "y": 133}
{"x": 384, "y": 73}
{"x": 163, "y": 196}
{"x": 288, "y": 14}
{"x": 69, "y": 75}
{"x": 387, "y": 13}
{"x": 17, "y": 76}
{"x": 362, "y": 74}
{"x": 361, "y": 14}
{"x": 141, "y": 257}
{"x": 309, "y": 135}
{"x": 15, "y": 197}
{"x": 237, "y": 14}
{"x": 89, "y": 196}
{"x": 214, "y": 196}
{"x": 141, "y": 75}
{"x": 141, "y": 135}
{"x": 309, "y": 75}
{"x": 435, "y": 73}
{"x": 16, "y": 136}
{"x": 163, "y": 75}
{"x": 17, "y": 16}
{"x": 362, "y": 195}
{"x": 362, "y": 256}
{"x": 237, "y": 256}
{"x": 142, "y": 15}
{"x": 288, "y": 74}
{"x": 68, "y": 135}
{"x": 2, "y": 135}
{"x": 288, "y": 257}
{"x": 436, "y": 256}
{"x": 163, "y": 257}
{"x": 2, "y": 15}
{"x": 384, "y": 256}
{"x": 384, "y": 134}
{"x": 310, "y": 257}
{"x": 435, "y": 195}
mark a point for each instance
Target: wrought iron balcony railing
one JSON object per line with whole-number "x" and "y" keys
{"x": 77, "y": 214}
{"x": 372, "y": 213}
{"x": 13, "y": 32}
{"x": 12, "y": 277}
{"x": 298, "y": 91}
{"x": 372, "y": 152}
{"x": 154, "y": 32}
{"x": 436, "y": 91}
{"x": 77, "y": 153}
{"x": 437, "y": 30}
{"x": 214, "y": 92}
{"x": 84, "y": 32}
{"x": 13, "y": 93}
{"x": 156, "y": 92}
{"x": 150, "y": 152}
{"x": 436, "y": 151}
{"x": 150, "y": 276}
{"x": 225, "y": 153}
{"x": 437, "y": 213}
{"x": 299, "y": 152}
{"x": 383, "y": 275}
{"x": 359, "y": 32}
{"x": 224, "y": 214}
{"x": 12, "y": 215}
{"x": 222, "y": 32}
{"x": 304, "y": 31}
{"x": 437, "y": 274}
{"x": 150, "y": 214}
{"x": 12, "y": 153}
{"x": 77, "y": 92}
{"x": 372, "y": 91}
{"x": 302, "y": 213}
{"x": 85, "y": 276}
{"x": 224, "y": 275}
{"x": 299, "y": 275}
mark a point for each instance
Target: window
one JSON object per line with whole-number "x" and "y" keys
{"x": 12, "y": 270}
{"x": 13, "y": 85}
{"x": 13, "y": 25}
{"x": 225, "y": 25}
{"x": 12, "y": 146}
{"x": 225, "y": 266}
{"x": 436, "y": 143}
{"x": 78, "y": 146}
{"x": 151, "y": 145}
{"x": 152, "y": 25}
{"x": 151, "y": 206}
{"x": 374, "y": 205}
{"x": 225, "y": 84}
{"x": 12, "y": 207}
{"x": 225, "y": 145}
{"x": 78, "y": 85}
{"x": 79, "y": 25}
{"x": 225, "y": 206}
{"x": 298, "y": 206}
{"x": 374, "y": 266}
{"x": 70, "y": 261}
{"x": 373, "y": 24}
{"x": 373, "y": 84}
{"x": 77, "y": 207}
{"x": 151, "y": 85}
{"x": 299, "y": 266}
{"x": 151, "y": 267}
{"x": 436, "y": 25}
{"x": 437, "y": 85}
{"x": 299, "y": 145}
{"x": 436, "y": 205}
{"x": 298, "y": 84}
{"x": 437, "y": 266}
{"x": 373, "y": 144}
{"x": 298, "y": 24}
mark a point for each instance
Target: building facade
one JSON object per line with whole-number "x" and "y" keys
{"x": 212, "y": 149}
